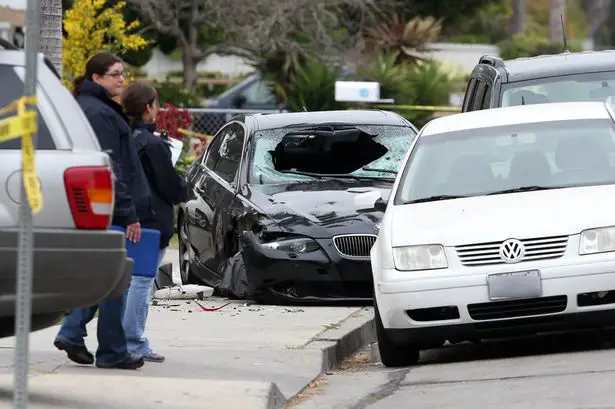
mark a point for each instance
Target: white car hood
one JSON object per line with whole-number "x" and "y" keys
{"x": 493, "y": 218}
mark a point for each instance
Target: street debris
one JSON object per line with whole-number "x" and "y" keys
{"x": 203, "y": 308}
{"x": 184, "y": 292}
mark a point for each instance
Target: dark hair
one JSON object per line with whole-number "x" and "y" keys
{"x": 99, "y": 64}
{"x": 136, "y": 98}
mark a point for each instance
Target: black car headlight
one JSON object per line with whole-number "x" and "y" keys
{"x": 294, "y": 245}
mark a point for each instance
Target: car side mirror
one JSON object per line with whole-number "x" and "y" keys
{"x": 369, "y": 201}
{"x": 380, "y": 205}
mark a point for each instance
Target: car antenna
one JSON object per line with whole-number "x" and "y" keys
{"x": 304, "y": 108}
{"x": 561, "y": 17}
{"x": 522, "y": 100}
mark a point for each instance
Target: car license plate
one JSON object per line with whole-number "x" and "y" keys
{"x": 519, "y": 284}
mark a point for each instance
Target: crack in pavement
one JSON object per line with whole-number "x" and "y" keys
{"x": 393, "y": 384}
{"x": 505, "y": 378}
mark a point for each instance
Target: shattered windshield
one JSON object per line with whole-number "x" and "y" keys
{"x": 362, "y": 151}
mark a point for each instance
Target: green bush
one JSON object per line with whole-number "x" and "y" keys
{"x": 176, "y": 94}
{"x": 488, "y": 25}
{"x": 428, "y": 84}
{"x": 312, "y": 87}
{"x": 531, "y": 46}
{"x": 424, "y": 83}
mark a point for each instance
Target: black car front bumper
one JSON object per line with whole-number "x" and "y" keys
{"x": 317, "y": 277}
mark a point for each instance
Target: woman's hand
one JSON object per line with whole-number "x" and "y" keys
{"x": 133, "y": 232}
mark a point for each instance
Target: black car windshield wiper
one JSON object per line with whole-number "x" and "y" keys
{"x": 334, "y": 175}
{"x": 531, "y": 188}
{"x": 298, "y": 172}
{"x": 435, "y": 198}
{"x": 393, "y": 172}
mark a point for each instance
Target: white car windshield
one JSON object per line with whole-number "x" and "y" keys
{"x": 297, "y": 155}
{"x": 565, "y": 88}
{"x": 509, "y": 159}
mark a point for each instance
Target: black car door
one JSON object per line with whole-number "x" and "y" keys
{"x": 218, "y": 190}
{"x": 198, "y": 208}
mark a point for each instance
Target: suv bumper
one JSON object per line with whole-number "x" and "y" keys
{"x": 71, "y": 268}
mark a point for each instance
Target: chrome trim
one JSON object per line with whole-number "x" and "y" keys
{"x": 351, "y": 257}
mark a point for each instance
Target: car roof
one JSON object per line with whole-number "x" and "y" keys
{"x": 522, "y": 69}
{"x": 517, "y": 115}
{"x": 351, "y": 117}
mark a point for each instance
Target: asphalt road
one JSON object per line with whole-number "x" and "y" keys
{"x": 549, "y": 372}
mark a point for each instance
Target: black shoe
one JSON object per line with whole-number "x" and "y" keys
{"x": 132, "y": 362}
{"x": 76, "y": 353}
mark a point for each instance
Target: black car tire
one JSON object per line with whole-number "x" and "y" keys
{"x": 391, "y": 354}
{"x": 185, "y": 272}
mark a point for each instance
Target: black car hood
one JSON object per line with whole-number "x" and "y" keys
{"x": 319, "y": 209}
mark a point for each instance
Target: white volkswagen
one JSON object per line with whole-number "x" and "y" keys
{"x": 501, "y": 223}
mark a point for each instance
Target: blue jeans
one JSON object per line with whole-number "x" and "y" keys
{"x": 136, "y": 309}
{"x": 112, "y": 348}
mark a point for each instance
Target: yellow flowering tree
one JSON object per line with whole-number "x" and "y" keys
{"x": 92, "y": 26}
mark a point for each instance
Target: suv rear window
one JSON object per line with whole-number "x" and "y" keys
{"x": 12, "y": 89}
{"x": 564, "y": 88}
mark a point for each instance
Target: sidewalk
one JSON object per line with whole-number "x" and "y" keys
{"x": 237, "y": 357}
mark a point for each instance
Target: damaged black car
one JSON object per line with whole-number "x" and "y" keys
{"x": 272, "y": 215}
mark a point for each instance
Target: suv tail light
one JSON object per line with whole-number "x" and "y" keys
{"x": 89, "y": 190}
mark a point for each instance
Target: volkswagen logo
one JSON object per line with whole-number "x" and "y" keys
{"x": 512, "y": 251}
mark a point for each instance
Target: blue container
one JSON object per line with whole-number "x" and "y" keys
{"x": 144, "y": 253}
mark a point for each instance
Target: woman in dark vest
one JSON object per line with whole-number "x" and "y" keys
{"x": 104, "y": 80}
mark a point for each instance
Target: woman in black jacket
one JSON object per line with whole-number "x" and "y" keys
{"x": 168, "y": 188}
{"x": 104, "y": 80}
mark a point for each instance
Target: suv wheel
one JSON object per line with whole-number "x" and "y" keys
{"x": 391, "y": 354}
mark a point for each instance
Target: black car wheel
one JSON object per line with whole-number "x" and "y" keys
{"x": 184, "y": 256}
{"x": 391, "y": 354}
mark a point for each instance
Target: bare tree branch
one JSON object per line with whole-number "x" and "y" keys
{"x": 259, "y": 29}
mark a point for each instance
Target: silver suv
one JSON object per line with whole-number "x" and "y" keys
{"x": 77, "y": 260}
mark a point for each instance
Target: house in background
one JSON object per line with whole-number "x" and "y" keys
{"x": 12, "y": 24}
{"x": 457, "y": 58}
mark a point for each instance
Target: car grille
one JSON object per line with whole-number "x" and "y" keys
{"x": 517, "y": 308}
{"x": 535, "y": 249}
{"x": 355, "y": 246}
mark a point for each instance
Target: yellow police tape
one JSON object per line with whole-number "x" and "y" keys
{"x": 419, "y": 108}
{"x": 23, "y": 125}
{"x": 193, "y": 134}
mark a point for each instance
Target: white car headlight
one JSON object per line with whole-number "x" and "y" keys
{"x": 410, "y": 258}
{"x": 594, "y": 241}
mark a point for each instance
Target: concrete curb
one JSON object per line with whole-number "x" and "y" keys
{"x": 275, "y": 398}
{"x": 340, "y": 341}
{"x": 351, "y": 335}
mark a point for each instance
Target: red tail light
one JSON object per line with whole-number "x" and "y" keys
{"x": 89, "y": 190}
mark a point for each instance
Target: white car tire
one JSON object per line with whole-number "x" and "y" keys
{"x": 391, "y": 354}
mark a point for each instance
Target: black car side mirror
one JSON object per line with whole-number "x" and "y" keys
{"x": 380, "y": 205}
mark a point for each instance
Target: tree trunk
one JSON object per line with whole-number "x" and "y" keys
{"x": 517, "y": 24}
{"x": 51, "y": 31}
{"x": 597, "y": 12}
{"x": 189, "y": 63}
{"x": 558, "y": 11}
